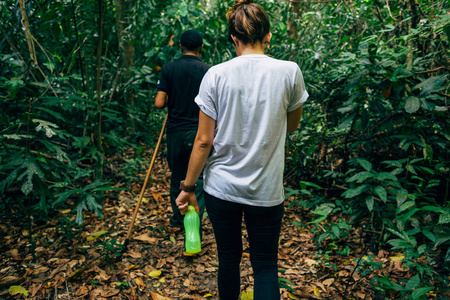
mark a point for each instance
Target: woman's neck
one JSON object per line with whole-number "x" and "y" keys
{"x": 242, "y": 49}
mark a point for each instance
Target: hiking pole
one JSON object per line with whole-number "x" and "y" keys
{"x": 149, "y": 171}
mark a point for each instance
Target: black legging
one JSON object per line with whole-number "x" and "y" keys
{"x": 263, "y": 227}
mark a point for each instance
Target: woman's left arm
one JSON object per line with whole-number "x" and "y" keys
{"x": 200, "y": 152}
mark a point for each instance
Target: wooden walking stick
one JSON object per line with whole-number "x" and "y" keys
{"x": 147, "y": 177}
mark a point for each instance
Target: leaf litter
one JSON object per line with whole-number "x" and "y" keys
{"x": 55, "y": 262}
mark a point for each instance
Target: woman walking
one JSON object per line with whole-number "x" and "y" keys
{"x": 246, "y": 107}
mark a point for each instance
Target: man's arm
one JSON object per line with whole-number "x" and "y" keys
{"x": 293, "y": 119}
{"x": 161, "y": 99}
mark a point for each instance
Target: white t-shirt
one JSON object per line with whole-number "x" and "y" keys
{"x": 249, "y": 97}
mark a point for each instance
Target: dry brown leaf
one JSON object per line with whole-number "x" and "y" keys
{"x": 102, "y": 276}
{"x": 140, "y": 283}
{"x": 310, "y": 262}
{"x": 110, "y": 293}
{"x": 34, "y": 289}
{"x": 200, "y": 268}
{"x": 83, "y": 290}
{"x": 133, "y": 254}
{"x": 156, "y": 296}
{"x": 61, "y": 252}
{"x": 187, "y": 282}
{"x": 15, "y": 254}
{"x": 161, "y": 263}
{"x": 40, "y": 270}
{"x": 146, "y": 238}
{"x": 157, "y": 196}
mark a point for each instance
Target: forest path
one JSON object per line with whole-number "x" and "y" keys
{"x": 57, "y": 260}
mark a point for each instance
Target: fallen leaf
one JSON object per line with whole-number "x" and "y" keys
{"x": 17, "y": 289}
{"x": 95, "y": 235}
{"x": 157, "y": 196}
{"x": 40, "y": 270}
{"x": 316, "y": 291}
{"x": 200, "y": 268}
{"x": 76, "y": 273}
{"x": 398, "y": 257}
{"x": 187, "y": 282}
{"x": 140, "y": 283}
{"x": 310, "y": 262}
{"x": 146, "y": 238}
{"x": 291, "y": 296}
{"x": 328, "y": 281}
{"x": 102, "y": 276}
{"x": 133, "y": 254}
{"x": 156, "y": 296}
{"x": 111, "y": 293}
{"x": 248, "y": 295}
{"x": 118, "y": 283}
{"x": 207, "y": 295}
{"x": 15, "y": 254}
{"x": 155, "y": 273}
{"x": 83, "y": 290}
{"x": 66, "y": 211}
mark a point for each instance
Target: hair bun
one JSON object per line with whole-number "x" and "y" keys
{"x": 239, "y": 3}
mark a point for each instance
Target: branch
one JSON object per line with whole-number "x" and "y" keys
{"x": 433, "y": 70}
{"x": 390, "y": 12}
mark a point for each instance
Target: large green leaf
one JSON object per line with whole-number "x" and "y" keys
{"x": 353, "y": 192}
{"x": 31, "y": 169}
{"x": 369, "y": 203}
{"x": 412, "y": 283}
{"x": 444, "y": 218}
{"x": 359, "y": 177}
{"x": 412, "y": 105}
{"x": 430, "y": 85}
{"x": 401, "y": 196}
{"x": 421, "y": 291}
{"x": 94, "y": 205}
{"x": 381, "y": 192}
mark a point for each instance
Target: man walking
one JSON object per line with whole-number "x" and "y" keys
{"x": 177, "y": 87}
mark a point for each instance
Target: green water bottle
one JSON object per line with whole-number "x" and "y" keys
{"x": 192, "y": 230}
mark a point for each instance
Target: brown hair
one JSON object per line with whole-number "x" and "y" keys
{"x": 248, "y": 22}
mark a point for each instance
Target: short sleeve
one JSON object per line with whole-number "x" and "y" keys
{"x": 163, "y": 82}
{"x": 299, "y": 94}
{"x": 205, "y": 98}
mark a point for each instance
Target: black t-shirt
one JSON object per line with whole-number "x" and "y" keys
{"x": 181, "y": 80}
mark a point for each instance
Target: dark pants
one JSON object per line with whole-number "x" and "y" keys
{"x": 179, "y": 148}
{"x": 263, "y": 227}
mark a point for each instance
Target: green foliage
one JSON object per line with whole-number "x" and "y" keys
{"x": 371, "y": 151}
{"x": 67, "y": 229}
{"x": 375, "y": 133}
{"x": 110, "y": 249}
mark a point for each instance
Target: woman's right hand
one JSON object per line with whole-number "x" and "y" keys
{"x": 185, "y": 199}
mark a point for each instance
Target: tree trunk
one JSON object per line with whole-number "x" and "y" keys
{"x": 413, "y": 25}
{"x": 292, "y": 29}
{"x": 100, "y": 161}
{"x": 28, "y": 34}
{"x": 124, "y": 22}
